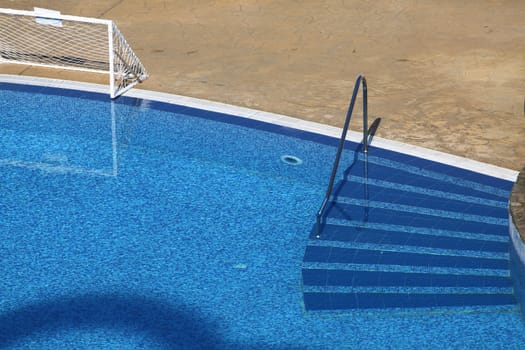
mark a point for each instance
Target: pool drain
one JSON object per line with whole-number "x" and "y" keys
{"x": 291, "y": 160}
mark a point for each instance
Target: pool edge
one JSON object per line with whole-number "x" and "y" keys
{"x": 277, "y": 119}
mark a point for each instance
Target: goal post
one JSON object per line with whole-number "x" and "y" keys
{"x": 47, "y": 38}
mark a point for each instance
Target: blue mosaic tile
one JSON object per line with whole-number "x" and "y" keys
{"x": 136, "y": 235}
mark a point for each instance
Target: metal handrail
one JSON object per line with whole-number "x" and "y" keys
{"x": 360, "y": 79}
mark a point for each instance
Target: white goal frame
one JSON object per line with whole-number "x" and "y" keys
{"x": 121, "y": 63}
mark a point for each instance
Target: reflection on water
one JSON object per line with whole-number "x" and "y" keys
{"x": 81, "y": 142}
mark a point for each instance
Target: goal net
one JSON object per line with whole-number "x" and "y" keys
{"x": 47, "y": 38}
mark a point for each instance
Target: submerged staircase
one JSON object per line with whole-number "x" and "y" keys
{"x": 399, "y": 232}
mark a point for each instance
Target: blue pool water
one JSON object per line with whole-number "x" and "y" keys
{"x": 142, "y": 225}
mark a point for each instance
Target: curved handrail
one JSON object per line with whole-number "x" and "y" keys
{"x": 360, "y": 79}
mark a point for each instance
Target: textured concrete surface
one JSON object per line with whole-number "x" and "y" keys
{"x": 448, "y": 75}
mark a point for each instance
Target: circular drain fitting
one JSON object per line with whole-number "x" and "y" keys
{"x": 291, "y": 160}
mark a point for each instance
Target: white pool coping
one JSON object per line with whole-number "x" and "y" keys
{"x": 277, "y": 119}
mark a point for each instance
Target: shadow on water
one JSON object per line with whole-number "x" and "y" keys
{"x": 353, "y": 166}
{"x": 371, "y": 133}
{"x": 169, "y": 325}
{"x": 373, "y": 129}
{"x": 172, "y": 326}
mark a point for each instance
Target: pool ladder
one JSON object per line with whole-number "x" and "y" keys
{"x": 360, "y": 80}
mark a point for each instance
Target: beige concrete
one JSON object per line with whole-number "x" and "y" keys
{"x": 445, "y": 74}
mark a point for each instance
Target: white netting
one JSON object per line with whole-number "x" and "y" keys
{"x": 71, "y": 43}
{"x": 77, "y": 44}
{"x": 126, "y": 66}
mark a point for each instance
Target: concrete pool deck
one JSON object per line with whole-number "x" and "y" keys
{"x": 448, "y": 76}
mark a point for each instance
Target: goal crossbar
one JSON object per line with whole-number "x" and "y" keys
{"x": 50, "y": 39}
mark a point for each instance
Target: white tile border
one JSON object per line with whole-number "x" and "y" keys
{"x": 282, "y": 120}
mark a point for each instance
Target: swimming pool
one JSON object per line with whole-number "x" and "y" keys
{"x": 139, "y": 224}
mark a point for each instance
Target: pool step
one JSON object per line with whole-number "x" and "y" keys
{"x": 342, "y": 301}
{"x": 405, "y": 175}
{"x": 405, "y": 238}
{"x": 379, "y": 256}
